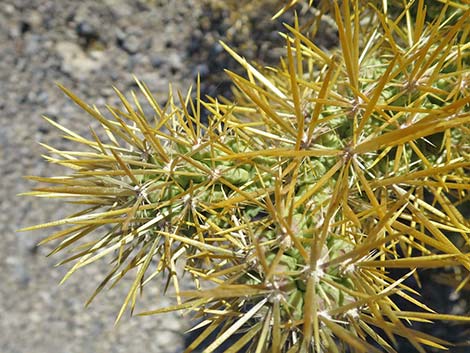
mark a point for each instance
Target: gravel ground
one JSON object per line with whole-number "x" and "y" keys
{"x": 87, "y": 46}
{"x": 90, "y": 46}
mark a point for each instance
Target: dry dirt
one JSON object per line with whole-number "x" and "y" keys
{"x": 89, "y": 46}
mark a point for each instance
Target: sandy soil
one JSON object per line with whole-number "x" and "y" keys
{"x": 88, "y": 46}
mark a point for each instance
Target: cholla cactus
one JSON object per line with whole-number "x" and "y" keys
{"x": 289, "y": 208}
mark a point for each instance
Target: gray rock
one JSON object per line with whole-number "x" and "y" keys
{"x": 34, "y": 20}
{"x": 77, "y": 62}
{"x": 156, "y": 61}
{"x": 131, "y": 44}
{"x": 32, "y": 44}
{"x": 87, "y": 31}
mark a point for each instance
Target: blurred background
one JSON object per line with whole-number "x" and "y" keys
{"x": 90, "y": 46}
